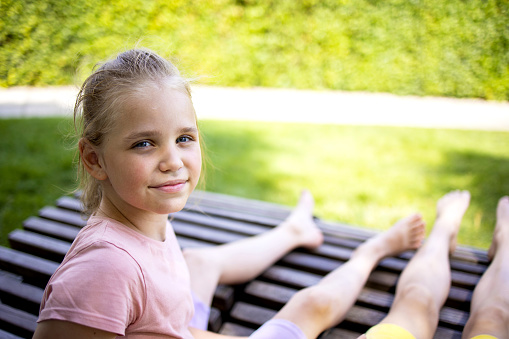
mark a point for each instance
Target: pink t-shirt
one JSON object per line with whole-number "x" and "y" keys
{"x": 117, "y": 280}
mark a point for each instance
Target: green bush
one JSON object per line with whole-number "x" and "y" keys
{"x": 436, "y": 47}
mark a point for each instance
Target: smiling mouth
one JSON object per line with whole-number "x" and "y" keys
{"x": 173, "y": 186}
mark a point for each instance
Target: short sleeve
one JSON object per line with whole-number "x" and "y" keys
{"x": 101, "y": 286}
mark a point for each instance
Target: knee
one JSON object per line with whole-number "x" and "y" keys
{"x": 312, "y": 309}
{"x": 492, "y": 316}
{"x": 419, "y": 298}
{"x": 317, "y": 303}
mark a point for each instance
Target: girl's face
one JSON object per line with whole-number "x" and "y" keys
{"x": 152, "y": 156}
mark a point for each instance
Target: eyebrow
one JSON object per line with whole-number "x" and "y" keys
{"x": 189, "y": 130}
{"x": 143, "y": 134}
{"x": 156, "y": 133}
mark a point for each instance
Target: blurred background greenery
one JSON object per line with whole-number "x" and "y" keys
{"x": 435, "y": 47}
{"x": 368, "y": 176}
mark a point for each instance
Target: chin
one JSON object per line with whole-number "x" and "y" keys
{"x": 172, "y": 208}
{"x": 173, "y": 204}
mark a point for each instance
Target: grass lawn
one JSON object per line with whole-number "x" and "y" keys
{"x": 36, "y": 167}
{"x": 368, "y": 176}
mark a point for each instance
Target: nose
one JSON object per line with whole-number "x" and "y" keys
{"x": 171, "y": 160}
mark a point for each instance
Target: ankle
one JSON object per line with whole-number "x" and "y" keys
{"x": 287, "y": 235}
{"x": 369, "y": 249}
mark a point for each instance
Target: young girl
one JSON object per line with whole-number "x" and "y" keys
{"x": 140, "y": 160}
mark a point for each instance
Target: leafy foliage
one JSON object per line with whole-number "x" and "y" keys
{"x": 438, "y": 47}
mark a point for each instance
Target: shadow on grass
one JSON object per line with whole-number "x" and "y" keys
{"x": 246, "y": 164}
{"x": 487, "y": 178}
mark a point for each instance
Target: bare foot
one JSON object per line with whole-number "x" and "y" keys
{"x": 300, "y": 223}
{"x": 406, "y": 234}
{"x": 450, "y": 210}
{"x": 501, "y": 232}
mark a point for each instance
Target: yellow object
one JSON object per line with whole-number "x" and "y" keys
{"x": 392, "y": 331}
{"x": 389, "y": 331}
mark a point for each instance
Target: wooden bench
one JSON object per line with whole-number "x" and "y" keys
{"x": 210, "y": 219}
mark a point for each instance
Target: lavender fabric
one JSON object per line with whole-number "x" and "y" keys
{"x": 272, "y": 329}
{"x": 278, "y": 328}
{"x": 200, "y": 319}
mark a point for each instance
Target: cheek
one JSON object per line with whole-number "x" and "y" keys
{"x": 136, "y": 175}
{"x": 130, "y": 174}
{"x": 194, "y": 163}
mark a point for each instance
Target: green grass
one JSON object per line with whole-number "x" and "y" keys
{"x": 36, "y": 167}
{"x": 368, "y": 176}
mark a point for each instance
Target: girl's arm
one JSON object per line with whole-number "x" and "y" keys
{"x": 56, "y": 329}
{"x": 200, "y": 334}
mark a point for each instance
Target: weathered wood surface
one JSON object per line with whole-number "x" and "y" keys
{"x": 208, "y": 220}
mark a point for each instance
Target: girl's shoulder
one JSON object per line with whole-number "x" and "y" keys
{"x": 101, "y": 230}
{"x": 101, "y": 253}
{"x": 109, "y": 238}
{"x": 102, "y": 243}
{"x": 96, "y": 278}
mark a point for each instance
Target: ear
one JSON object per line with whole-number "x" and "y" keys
{"x": 90, "y": 159}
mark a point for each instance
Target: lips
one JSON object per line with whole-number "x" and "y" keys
{"x": 172, "y": 186}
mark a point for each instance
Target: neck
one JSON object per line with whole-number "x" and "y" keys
{"x": 149, "y": 224}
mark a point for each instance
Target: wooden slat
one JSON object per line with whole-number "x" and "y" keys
{"x": 17, "y": 322}
{"x": 7, "y": 335}
{"x": 212, "y": 202}
{"x": 251, "y": 315}
{"x": 63, "y": 216}
{"x": 234, "y": 226}
{"x": 340, "y": 333}
{"x": 16, "y": 293}
{"x": 204, "y": 233}
{"x": 39, "y": 245}
{"x": 224, "y": 297}
{"x": 235, "y": 215}
{"x": 215, "y": 320}
{"x": 244, "y": 205}
{"x": 70, "y": 203}
{"x": 34, "y": 270}
{"x": 51, "y": 228}
{"x": 234, "y": 329}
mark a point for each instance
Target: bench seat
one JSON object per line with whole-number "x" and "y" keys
{"x": 210, "y": 219}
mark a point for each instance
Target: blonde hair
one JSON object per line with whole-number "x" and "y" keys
{"x": 102, "y": 96}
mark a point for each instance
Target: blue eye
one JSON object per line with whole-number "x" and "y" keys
{"x": 183, "y": 138}
{"x": 142, "y": 144}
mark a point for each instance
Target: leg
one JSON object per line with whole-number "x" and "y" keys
{"x": 421, "y": 293}
{"x": 489, "y": 312}
{"x": 244, "y": 260}
{"x": 324, "y": 305}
